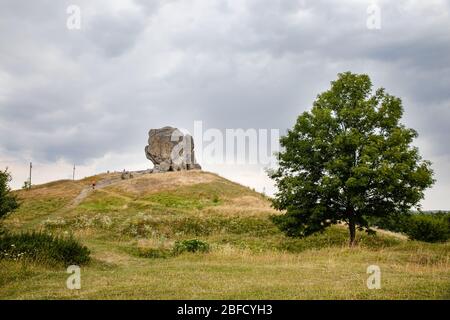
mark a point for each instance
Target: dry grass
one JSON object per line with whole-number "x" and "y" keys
{"x": 163, "y": 182}
{"x": 230, "y": 273}
{"x": 249, "y": 258}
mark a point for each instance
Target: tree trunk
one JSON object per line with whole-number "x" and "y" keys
{"x": 352, "y": 228}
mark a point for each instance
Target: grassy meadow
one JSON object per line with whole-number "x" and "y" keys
{"x": 129, "y": 225}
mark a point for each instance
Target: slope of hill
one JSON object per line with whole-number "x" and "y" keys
{"x": 127, "y": 223}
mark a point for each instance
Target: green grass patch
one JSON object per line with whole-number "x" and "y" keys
{"x": 154, "y": 253}
{"x": 333, "y": 237}
{"x": 170, "y": 200}
{"x": 40, "y": 206}
{"x": 182, "y": 200}
{"x": 103, "y": 202}
{"x": 176, "y": 226}
{"x": 198, "y": 196}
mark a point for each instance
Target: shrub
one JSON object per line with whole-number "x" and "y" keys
{"x": 8, "y": 200}
{"x": 26, "y": 185}
{"x": 43, "y": 247}
{"x": 193, "y": 245}
{"x": 422, "y": 226}
{"x": 428, "y": 228}
{"x": 397, "y": 223}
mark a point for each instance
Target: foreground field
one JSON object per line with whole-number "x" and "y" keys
{"x": 249, "y": 258}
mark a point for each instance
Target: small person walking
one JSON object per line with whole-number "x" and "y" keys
{"x": 93, "y": 184}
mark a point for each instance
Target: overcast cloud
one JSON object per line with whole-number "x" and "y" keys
{"x": 89, "y": 96}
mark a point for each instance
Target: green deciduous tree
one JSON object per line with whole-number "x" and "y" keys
{"x": 347, "y": 159}
{"x": 8, "y": 201}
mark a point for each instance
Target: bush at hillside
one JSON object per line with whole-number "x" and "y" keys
{"x": 44, "y": 248}
{"x": 193, "y": 245}
{"x": 8, "y": 201}
{"x": 429, "y": 227}
{"x": 397, "y": 223}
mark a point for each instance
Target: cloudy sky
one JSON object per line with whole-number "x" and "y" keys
{"x": 89, "y": 96}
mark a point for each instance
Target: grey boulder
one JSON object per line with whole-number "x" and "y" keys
{"x": 170, "y": 150}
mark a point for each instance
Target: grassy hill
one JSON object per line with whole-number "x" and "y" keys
{"x": 129, "y": 225}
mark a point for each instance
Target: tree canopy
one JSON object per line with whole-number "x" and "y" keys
{"x": 347, "y": 159}
{"x": 8, "y": 201}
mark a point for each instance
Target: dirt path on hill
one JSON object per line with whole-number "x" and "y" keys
{"x": 88, "y": 190}
{"x": 100, "y": 185}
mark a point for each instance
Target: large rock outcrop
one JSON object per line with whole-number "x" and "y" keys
{"x": 170, "y": 150}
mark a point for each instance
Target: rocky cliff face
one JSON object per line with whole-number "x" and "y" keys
{"x": 170, "y": 150}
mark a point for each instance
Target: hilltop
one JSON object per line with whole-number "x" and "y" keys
{"x": 129, "y": 224}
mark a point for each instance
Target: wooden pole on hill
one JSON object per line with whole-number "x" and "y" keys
{"x": 73, "y": 174}
{"x": 31, "y": 167}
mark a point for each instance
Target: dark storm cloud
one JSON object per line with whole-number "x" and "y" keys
{"x": 134, "y": 65}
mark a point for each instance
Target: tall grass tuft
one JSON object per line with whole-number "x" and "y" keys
{"x": 43, "y": 247}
